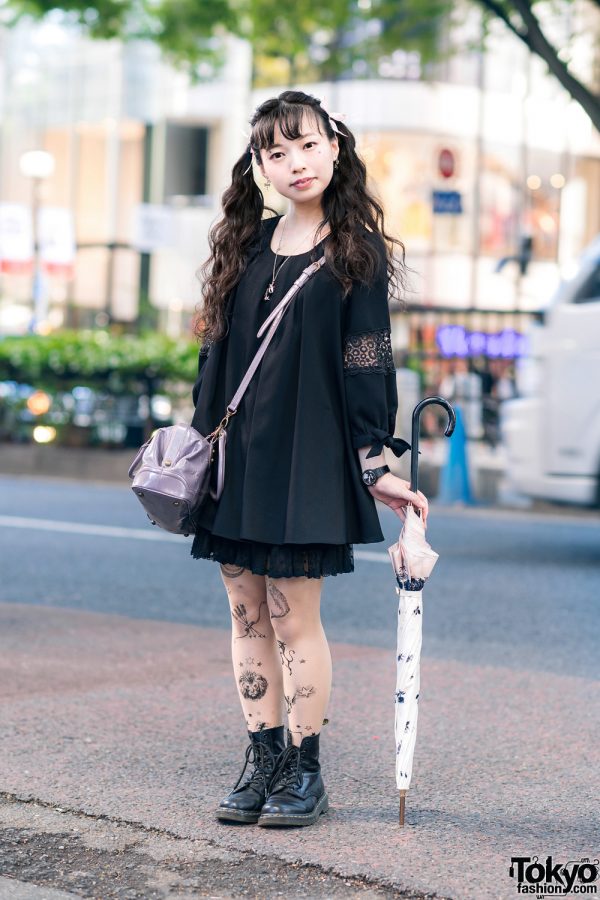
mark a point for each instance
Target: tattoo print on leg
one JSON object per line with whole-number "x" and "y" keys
{"x": 253, "y": 685}
{"x": 298, "y": 730}
{"x": 231, "y": 571}
{"x": 301, "y": 692}
{"x": 260, "y": 726}
{"x": 286, "y": 658}
{"x": 240, "y": 614}
{"x": 279, "y": 601}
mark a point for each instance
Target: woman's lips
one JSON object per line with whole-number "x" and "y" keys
{"x": 304, "y": 183}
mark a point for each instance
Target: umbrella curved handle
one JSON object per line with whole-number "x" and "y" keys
{"x": 416, "y": 423}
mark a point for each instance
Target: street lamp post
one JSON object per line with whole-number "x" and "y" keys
{"x": 37, "y": 165}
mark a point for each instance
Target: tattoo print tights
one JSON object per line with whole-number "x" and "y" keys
{"x": 280, "y": 654}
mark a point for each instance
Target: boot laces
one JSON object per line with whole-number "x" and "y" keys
{"x": 287, "y": 771}
{"x": 262, "y": 760}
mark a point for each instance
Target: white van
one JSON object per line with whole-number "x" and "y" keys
{"x": 552, "y": 431}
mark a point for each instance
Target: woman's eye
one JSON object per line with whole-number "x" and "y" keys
{"x": 308, "y": 144}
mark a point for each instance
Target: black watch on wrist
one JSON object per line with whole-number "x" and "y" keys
{"x": 370, "y": 476}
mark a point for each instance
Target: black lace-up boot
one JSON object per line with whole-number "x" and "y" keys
{"x": 297, "y": 794}
{"x": 245, "y": 801}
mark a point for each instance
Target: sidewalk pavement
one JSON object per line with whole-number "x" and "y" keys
{"x": 18, "y": 890}
{"x": 120, "y": 736}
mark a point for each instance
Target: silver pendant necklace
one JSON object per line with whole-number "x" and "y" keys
{"x": 271, "y": 286}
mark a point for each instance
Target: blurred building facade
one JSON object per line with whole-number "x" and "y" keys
{"x": 141, "y": 156}
{"x": 487, "y": 150}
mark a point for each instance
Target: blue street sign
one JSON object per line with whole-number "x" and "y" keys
{"x": 447, "y": 202}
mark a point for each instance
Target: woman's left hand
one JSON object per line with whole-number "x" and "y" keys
{"x": 396, "y": 493}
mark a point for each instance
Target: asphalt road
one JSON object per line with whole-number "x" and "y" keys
{"x": 510, "y": 589}
{"x": 115, "y": 678}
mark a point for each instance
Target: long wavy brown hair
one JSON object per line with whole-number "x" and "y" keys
{"x": 348, "y": 207}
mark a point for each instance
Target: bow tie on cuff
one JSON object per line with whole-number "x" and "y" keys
{"x": 398, "y": 446}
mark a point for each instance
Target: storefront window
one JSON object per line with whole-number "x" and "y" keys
{"x": 544, "y": 180}
{"x": 499, "y": 200}
{"x": 405, "y": 172}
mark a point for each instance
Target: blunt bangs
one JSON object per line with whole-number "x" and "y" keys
{"x": 290, "y": 117}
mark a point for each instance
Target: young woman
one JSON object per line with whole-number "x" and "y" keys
{"x": 315, "y": 417}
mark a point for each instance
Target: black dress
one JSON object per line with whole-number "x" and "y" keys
{"x": 293, "y": 502}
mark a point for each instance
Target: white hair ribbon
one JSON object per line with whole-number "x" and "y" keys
{"x": 333, "y": 115}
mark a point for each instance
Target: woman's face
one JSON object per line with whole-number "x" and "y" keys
{"x": 310, "y": 156}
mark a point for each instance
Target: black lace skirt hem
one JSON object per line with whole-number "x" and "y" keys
{"x": 275, "y": 560}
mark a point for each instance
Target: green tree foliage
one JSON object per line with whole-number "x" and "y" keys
{"x": 306, "y": 40}
{"x": 119, "y": 364}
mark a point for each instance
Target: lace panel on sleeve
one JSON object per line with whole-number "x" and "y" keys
{"x": 369, "y": 352}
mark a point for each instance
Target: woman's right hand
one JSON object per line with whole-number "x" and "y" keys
{"x": 395, "y": 492}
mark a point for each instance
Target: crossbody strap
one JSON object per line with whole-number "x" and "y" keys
{"x": 273, "y": 321}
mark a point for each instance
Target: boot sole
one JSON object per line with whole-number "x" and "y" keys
{"x": 238, "y": 815}
{"x": 274, "y": 819}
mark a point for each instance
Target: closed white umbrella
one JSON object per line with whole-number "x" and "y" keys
{"x": 413, "y": 561}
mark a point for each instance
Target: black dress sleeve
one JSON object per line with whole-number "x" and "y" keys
{"x": 202, "y": 357}
{"x": 369, "y": 371}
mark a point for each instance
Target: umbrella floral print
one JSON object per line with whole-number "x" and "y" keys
{"x": 413, "y": 561}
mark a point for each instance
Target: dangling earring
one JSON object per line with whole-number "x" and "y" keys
{"x": 267, "y": 183}
{"x": 336, "y": 163}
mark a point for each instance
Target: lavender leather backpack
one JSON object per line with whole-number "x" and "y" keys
{"x": 171, "y": 471}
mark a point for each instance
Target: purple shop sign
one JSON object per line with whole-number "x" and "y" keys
{"x": 456, "y": 340}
